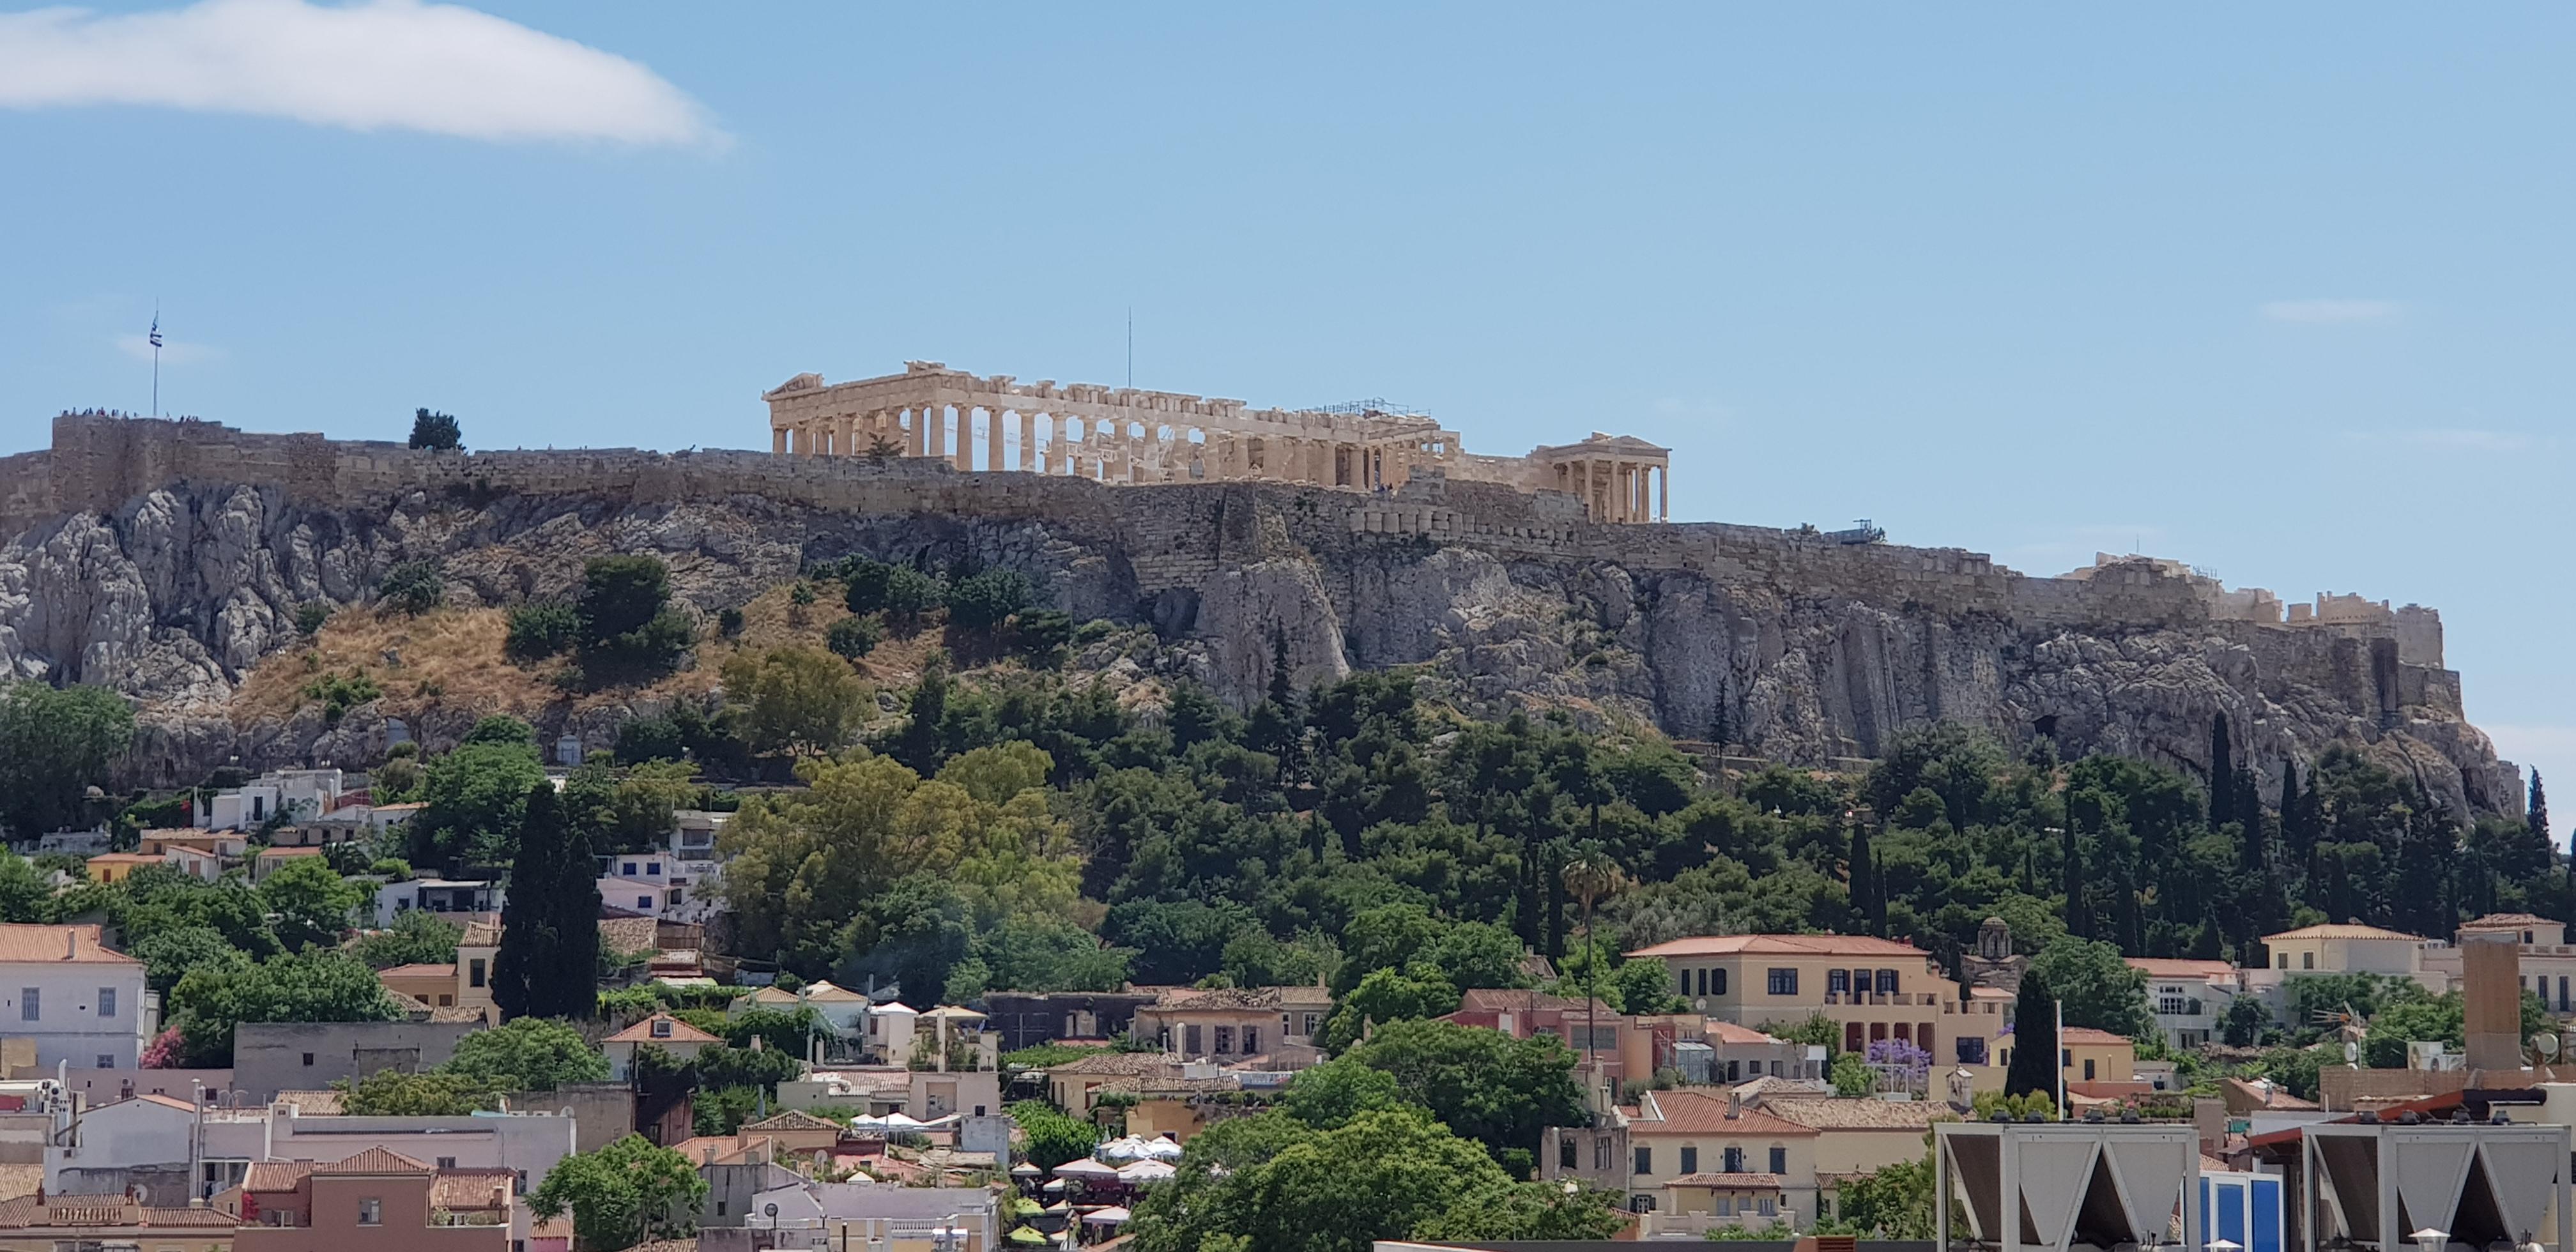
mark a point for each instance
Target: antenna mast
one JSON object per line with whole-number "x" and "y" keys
{"x": 156, "y": 358}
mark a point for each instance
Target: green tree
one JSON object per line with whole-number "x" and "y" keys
{"x": 436, "y": 432}
{"x": 1053, "y": 1138}
{"x": 628, "y": 630}
{"x": 1484, "y": 1084}
{"x": 308, "y": 902}
{"x": 853, "y": 637}
{"x": 1286, "y": 1188}
{"x": 435, "y": 1093}
{"x": 316, "y": 985}
{"x": 527, "y": 1054}
{"x": 982, "y": 601}
{"x": 1329, "y": 1095}
{"x": 794, "y": 700}
{"x": 2034, "y": 1066}
{"x": 1851, "y": 1076}
{"x": 547, "y": 965}
{"x": 1527, "y": 1211}
{"x": 1387, "y": 996}
{"x": 540, "y": 629}
{"x": 417, "y": 937}
{"x": 2244, "y": 1022}
{"x": 55, "y": 743}
{"x": 474, "y": 799}
{"x": 1892, "y": 1202}
{"x": 413, "y": 587}
{"x": 170, "y": 953}
{"x": 623, "y": 1194}
{"x": 2096, "y": 985}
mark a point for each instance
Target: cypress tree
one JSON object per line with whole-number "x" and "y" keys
{"x": 2034, "y": 1046}
{"x": 2079, "y": 922}
{"x": 1862, "y": 869}
{"x": 2536, "y": 813}
{"x": 2222, "y": 774}
{"x": 548, "y": 963}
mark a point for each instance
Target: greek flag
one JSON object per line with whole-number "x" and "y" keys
{"x": 156, "y": 330}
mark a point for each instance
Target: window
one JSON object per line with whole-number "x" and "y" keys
{"x": 1726, "y": 1206}
{"x": 2169, "y": 1005}
{"x": 308, "y": 1060}
{"x": 1190, "y": 1039}
{"x": 652, "y": 869}
{"x": 2285, "y": 960}
{"x": 2088, "y": 1069}
{"x": 2307, "y": 960}
{"x": 1690, "y": 1159}
{"x": 474, "y": 972}
{"x": 1769, "y": 1207}
{"x": 1251, "y": 1040}
{"x": 1779, "y": 1160}
{"x": 645, "y": 903}
{"x": 1784, "y": 982}
{"x": 1601, "y": 1153}
{"x": 2066, "y": 1058}
{"x": 1684, "y": 976}
{"x": 1734, "y": 1160}
{"x": 371, "y": 1212}
{"x": 1224, "y": 1040}
{"x": 1312, "y": 1021}
{"x": 629, "y": 870}
{"x": 720, "y": 1208}
{"x": 1565, "y": 1158}
{"x": 1887, "y": 981}
{"x": 1837, "y": 981}
{"x": 1717, "y": 979}
{"x": 28, "y": 1009}
{"x": 447, "y": 1162}
{"x": 446, "y": 1001}
{"x": 107, "y": 1001}
{"x": 1645, "y": 1160}
{"x": 661, "y": 1028}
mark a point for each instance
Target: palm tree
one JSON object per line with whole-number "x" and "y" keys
{"x": 1590, "y": 875}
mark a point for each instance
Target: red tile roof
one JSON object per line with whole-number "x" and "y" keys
{"x": 2353, "y": 930}
{"x": 1748, "y": 1182}
{"x": 373, "y": 1161}
{"x": 418, "y": 971}
{"x": 2088, "y": 1035}
{"x": 642, "y": 1032}
{"x": 276, "y": 1175}
{"x": 1729, "y": 1032}
{"x": 2172, "y": 967}
{"x": 472, "y": 1188}
{"x": 31, "y": 944}
{"x": 1784, "y": 945}
{"x": 1691, "y": 1112}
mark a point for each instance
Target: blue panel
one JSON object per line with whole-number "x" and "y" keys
{"x": 2205, "y": 1185}
{"x": 2231, "y": 1212}
{"x": 2267, "y": 1216}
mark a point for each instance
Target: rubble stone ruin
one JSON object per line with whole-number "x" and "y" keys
{"x": 1127, "y": 435}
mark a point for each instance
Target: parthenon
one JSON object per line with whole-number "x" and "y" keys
{"x": 1128, "y": 435}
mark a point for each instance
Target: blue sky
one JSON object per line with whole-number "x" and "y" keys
{"x": 2282, "y": 292}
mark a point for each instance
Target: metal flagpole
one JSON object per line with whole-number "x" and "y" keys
{"x": 156, "y": 360}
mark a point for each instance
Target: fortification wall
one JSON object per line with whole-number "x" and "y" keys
{"x": 1178, "y": 535}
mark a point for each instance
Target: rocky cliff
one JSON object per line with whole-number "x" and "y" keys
{"x": 168, "y": 562}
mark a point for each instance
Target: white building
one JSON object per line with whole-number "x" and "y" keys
{"x": 80, "y": 1002}
{"x": 144, "y": 1143}
{"x": 438, "y": 895}
{"x": 832, "y": 1215}
{"x": 294, "y": 794}
{"x": 663, "y": 883}
{"x": 2189, "y": 998}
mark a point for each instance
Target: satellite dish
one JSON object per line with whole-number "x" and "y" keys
{"x": 2351, "y": 1053}
{"x": 2545, "y": 1043}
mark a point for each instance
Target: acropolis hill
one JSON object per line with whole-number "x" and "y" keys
{"x": 167, "y": 558}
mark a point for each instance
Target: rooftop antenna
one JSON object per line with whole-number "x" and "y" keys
{"x": 155, "y": 337}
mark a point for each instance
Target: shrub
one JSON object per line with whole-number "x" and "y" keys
{"x": 340, "y": 693}
{"x": 983, "y": 601}
{"x": 1042, "y": 633}
{"x": 626, "y": 628}
{"x": 853, "y": 637}
{"x": 729, "y": 622}
{"x": 310, "y": 615}
{"x": 910, "y": 593}
{"x": 541, "y": 629}
{"x": 863, "y": 584}
{"x": 412, "y": 587}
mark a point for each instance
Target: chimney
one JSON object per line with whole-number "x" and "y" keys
{"x": 2491, "y": 999}
{"x": 1734, "y": 1105}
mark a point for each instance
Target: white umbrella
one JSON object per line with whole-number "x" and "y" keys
{"x": 899, "y": 1121}
{"x": 1163, "y": 1150}
{"x": 1110, "y": 1216}
{"x": 1083, "y": 1168}
{"x": 1126, "y": 1149}
{"x": 1148, "y": 1171}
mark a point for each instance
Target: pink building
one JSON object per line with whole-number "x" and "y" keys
{"x": 377, "y": 1200}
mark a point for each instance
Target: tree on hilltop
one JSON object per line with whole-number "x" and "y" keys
{"x": 436, "y": 432}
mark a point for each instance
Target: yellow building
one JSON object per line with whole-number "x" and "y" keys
{"x": 115, "y": 867}
{"x": 433, "y": 985}
{"x": 2350, "y": 948}
{"x": 2083, "y": 1055}
{"x": 1678, "y": 1135}
{"x": 1872, "y": 988}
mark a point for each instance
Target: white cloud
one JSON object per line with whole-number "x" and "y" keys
{"x": 173, "y": 351}
{"x": 2454, "y": 439}
{"x": 381, "y": 64}
{"x": 2317, "y": 311}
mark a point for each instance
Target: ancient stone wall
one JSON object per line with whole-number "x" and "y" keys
{"x": 1177, "y": 533}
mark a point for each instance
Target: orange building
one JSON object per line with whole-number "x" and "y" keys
{"x": 378, "y": 1200}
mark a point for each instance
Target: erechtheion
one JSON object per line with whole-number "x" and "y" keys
{"x": 1128, "y": 435}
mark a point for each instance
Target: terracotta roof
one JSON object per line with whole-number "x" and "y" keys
{"x": 1729, "y": 1032}
{"x": 171, "y": 1102}
{"x": 2507, "y": 921}
{"x": 126, "y": 858}
{"x": 276, "y": 1175}
{"x": 1115, "y": 1064}
{"x": 793, "y": 1119}
{"x": 480, "y": 935}
{"x": 472, "y": 1188}
{"x": 265, "y": 853}
{"x": 2089, "y": 1035}
{"x": 31, "y": 944}
{"x": 1784, "y": 945}
{"x": 456, "y": 1013}
{"x": 1837, "y": 1113}
{"x": 1508, "y": 1000}
{"x": 2266, "y": 1095}
{"x": 642, "y": 1032}
{"x": 2171, "y": 967}
{"x": 1692, "y": 1112}
{"x": 1754, "y": 1182}
{"x": 629, "y": 933}
{"x": 373, "y": 1161}
{"x": 2347, "y": 930}
{"x": 418, "y": 971}
{"x": 31, "y": 1212}
{"x": 18, "y": 1180}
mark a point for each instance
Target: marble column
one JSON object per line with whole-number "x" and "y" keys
{"x": 778, "y": 441}
{"x": 1663, "y": 493}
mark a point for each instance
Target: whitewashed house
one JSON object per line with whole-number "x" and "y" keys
{"x": 80, "y": 1002}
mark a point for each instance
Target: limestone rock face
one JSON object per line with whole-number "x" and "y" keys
{"x": 174, "y": 596}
